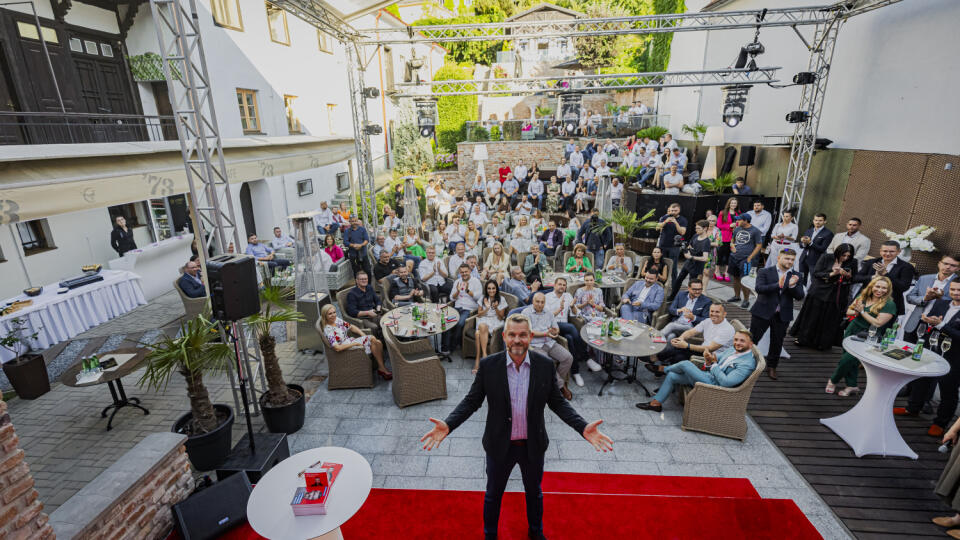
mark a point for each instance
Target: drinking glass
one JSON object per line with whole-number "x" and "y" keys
{"x": 945, "y": 344}
{"x": 921, "y": 330}
{"x": 934, "y": 338}
{"x": 872, "y": 333}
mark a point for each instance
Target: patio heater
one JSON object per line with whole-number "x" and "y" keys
{"x": 312, "y": 289}
{"x": 604, "y": 202}
{"x": 411, "y": 206}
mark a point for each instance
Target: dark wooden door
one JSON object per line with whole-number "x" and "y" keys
{"x": 162, "y": 96}
{"x": 10, "y": 129}
{"x": 103, "y": 90}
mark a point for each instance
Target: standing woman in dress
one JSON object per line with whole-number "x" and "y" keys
{"x": 121, "y": 238}
{"x": 873, "y": 307}
{"x": 818, "y": 324}
{"x": 490, "y": 315}
{"x": 726, "y": 222}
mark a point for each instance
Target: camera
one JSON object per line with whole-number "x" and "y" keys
{"x": 679, "y": 240}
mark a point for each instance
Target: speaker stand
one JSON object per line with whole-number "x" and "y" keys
{"x": 270, "y": 449}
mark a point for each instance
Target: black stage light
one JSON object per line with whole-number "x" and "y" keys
{"x": 426, "y": 116}
{"x": 373, "y": 129}
{"x": 371, "y": 92}
{"x": 805, "y": 77}
{"x": 734, "y": 104}
{"x": 797, "y": 117}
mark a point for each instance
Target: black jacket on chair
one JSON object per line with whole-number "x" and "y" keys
{"x": 812, "y": 253}
{"x": 901, "y": 275}
{"x": 770, "y": 295}
{"x": 491, "y": 383}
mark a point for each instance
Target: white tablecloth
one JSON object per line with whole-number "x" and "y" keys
{"x": 58, "y": 317}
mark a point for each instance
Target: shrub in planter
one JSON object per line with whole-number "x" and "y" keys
{"x": 27, "y": 373}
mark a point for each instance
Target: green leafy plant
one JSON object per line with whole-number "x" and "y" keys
{"x": 478, "y": 134}
{"x": 654, "y": 132}
{"x": 628, "y": 222}
{"x": 411, "y": 152}
{"x": 16, "y": 340}
{"x": 696, "y": 131}
{"x": 275, "y": 302}
{"x": 625, "y": 172}
{"x": 148, "y": 67}
{"x": 195, "y": 352}
{"x": 511, "y": 130}
{"x": 454, "y": 111}
{"x": 599, "y": 51}
{"x": 544, "y": 112}
{"x": 720, "y": 184}
{"x": 494, "y": 133}
{"x": 611, "y": 108}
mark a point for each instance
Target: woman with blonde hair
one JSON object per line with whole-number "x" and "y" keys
{"x": 874, "y": 306}
{"x": 337, "y": 331}
{"x": 522, "y": 237}
{"x": 497, "y": 264}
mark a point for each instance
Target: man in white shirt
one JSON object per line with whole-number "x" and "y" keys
{"x": 616, "y": 192}
{"x": 634, "y": 110}
{"x": 493, "y": 193}
{"x": 324, "y": 220}
{"x": 457, "y": 258}
{"x": 650, "y": 145}
{"x": 853, "y": 236}
{"x": 466, "y": 293}
{"x": 669, "y": 143}
{"x": 280, "y": 240}
{"x": 672, "y": 181}
{"x": 603, "y": 170}
{"x": 390, "y": 219}
{"x": 520, "y": 172}
{"x": 434, "y": 275}
{"x": 558, "y": 302}
{"x": 650, "y": 168}
{"x": 587, "y": 172}
{"x": 545, "y": 330}
{"x": 643, "y": 108}
{"x": 567, "y": 191}
{"x": 535, "y": 189}
{"x": 760, "y": 218}
{"x": 564, "y": 170}
{"x": 478, "y": 217}
{"x": 524, "y": 208}
{"x": 576, "y": 160}
{"x": 599, "y": 157}
{"x": 717, "y": 333}
{"x": 432, "y": 196}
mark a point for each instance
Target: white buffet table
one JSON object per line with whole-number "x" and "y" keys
{"x": 158, "y": 264}
{"x": 869, "y": 427}
{"x": 58, "y": 317}
{"x": 268, "y": 509}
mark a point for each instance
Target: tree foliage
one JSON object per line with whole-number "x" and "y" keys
{"x": 599, "y": 51}
{"x": 454, "y": 111}
{"x": 660, "y": 53}
{"x": 470, "y": 52}
{"x": 411, "y": 152}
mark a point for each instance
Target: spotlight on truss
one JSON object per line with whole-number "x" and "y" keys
{"x": 734, "y": 104}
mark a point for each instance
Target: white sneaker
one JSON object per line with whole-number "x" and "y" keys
{"x": 578, "y": 379}
{"x": 593, "y": 365}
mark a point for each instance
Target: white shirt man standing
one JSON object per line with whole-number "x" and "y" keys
{"x": 853, "y": 236}
{"x": 760, "y": 218}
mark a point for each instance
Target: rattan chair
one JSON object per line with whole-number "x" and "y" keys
{"x": 418, "y": 374}
{"x": 191, "y": 306}
{"x": 609, "y": 254}
{"x": 385, "y": 293}
{"x": 342, "y": 302}
{"x": 562, "y": 261}
{"x": 660, "y": 317}
{"x": 718, "y": 410}
{"x": 352, "y": 368}
{"x": 468, "y": 348}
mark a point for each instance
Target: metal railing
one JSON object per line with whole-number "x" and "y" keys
{"x": 74, "y": 128}
{"x": 548, "y": 128}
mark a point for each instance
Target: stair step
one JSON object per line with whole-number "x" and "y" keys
{"x": 638, "y": 484}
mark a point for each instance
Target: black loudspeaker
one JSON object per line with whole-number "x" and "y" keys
{"x": 729, "y": 157}
{"x": 210, "y": 512}
{"x": 233, "y": 287}
{"x": 748, "y": 156}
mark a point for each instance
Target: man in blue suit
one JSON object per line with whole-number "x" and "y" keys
{"x": 688, "y": 309}
{"x": 642, "y": 299}
{"x": 815, "y": 241}
{"x": 190, "y": 282}
{"x": 928, "y": 289}
{"x": 777, "y": 287}
{"x": 728, "y": 369}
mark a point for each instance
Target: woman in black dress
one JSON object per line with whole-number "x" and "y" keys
{"x": 121, "y": 238}
{"x": 818, "y": 324}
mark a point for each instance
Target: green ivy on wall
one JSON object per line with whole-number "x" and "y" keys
{"x": 660, "y": 53}
{"x": 454, "y": 111}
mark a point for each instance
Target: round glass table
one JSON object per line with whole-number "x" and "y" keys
{"x": 638, "y": 340}
{"x": 400, "y": 322}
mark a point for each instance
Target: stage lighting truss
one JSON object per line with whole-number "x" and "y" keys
{"x": 590, "y": 83}
{"x": 795, "y": 117}
{"x": 734, "y": 104}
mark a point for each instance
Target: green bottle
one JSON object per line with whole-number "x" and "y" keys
{"x": 918, "y": 351}
{"x": 603, "y": 329}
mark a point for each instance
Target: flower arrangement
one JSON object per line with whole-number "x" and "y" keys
{"x": 915, "y": 238}
{"x": 499, "y": 72}
{"x": 445, "y": 161}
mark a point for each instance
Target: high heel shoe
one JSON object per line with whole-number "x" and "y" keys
{"x": 849, "y": 391}
{"x": 831, "y": 388}
{"x": 385, "y": 375}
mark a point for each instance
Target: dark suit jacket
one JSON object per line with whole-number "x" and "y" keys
{"x": 770, "y": 295}
{"x": 951, "y": 327}
{"x": 491, "y": 383}
{"x": 122, "y": 242}
{"x": 592, "y": 240}
{"x": 813, "y": 252}
{"x": 557, "y": 237}
{"x": 901, "y": 275}
{"x": 701, "y": 308}
{"x": 190, "y": 287}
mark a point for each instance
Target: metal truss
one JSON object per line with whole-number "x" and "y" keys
{"x": 188, "y": 82}
{"x": 651, "y": 24}
{"x": 361, "y": 141}
{"x": 319, "y": 15}
{"x": 811, "y": 101}
{"x": 590, "y": 83}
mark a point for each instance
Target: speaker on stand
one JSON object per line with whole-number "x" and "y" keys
{"x": 748, "y": 157}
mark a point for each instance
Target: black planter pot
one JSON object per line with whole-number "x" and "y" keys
{"x": 28, "y": 376}
{"x": 287, "y": 419}
{"x": 209, "y": 450}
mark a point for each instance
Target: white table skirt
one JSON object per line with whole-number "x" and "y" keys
{"x": 58, "y": 317}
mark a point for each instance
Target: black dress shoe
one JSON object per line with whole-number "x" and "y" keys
{"x": 648, "y": 407}
{"x": 772, "y": 373}
{"x": 656, "y": 370}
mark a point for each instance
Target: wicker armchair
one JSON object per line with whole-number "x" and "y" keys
{"x": 385, "y": 293}
{"x": 469, "y": 341}
{"x": 660, "y": 317}
{"x": 609, "y": 254}
{"x": 352, "y": 368}
{"x": 191, "y": 306}
{"x": 342, "y": 303}
{"x": 562, "y": 261}
{"x": 718, "y": 410}
{"x": 418, "y": 375}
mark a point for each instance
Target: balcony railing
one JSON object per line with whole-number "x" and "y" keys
{"x": 74, "y": 128}
{"x": 550, "y": 128}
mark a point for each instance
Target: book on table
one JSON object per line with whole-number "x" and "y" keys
{"x": 312, "y": 499}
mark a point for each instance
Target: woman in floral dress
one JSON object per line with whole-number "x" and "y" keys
{"x": 588, "y": 302}
{"x": 553, "y": 196}
{"x": 337, "y": 331}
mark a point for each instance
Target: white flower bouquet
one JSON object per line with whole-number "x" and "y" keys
{"x": 915, "y": 238}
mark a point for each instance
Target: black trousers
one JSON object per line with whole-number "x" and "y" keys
{"x": 437, "y": 290}
{"x": 670, "y": 355}
{"x": 498, "y": 472}
{"x": 778, "y": 329}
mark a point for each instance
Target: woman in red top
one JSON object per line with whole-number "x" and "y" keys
{"x": 725, "y": 222}
{"x": 332, "y": 249}
{"x": 504, "y": 170}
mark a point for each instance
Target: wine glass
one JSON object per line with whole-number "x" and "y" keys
{"x": 872, "y": 333}
{"x": 945, "y": 344}
{"x": 921, "y": 330}
{"x": 934, "y": 338}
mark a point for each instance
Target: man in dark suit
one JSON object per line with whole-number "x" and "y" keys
{"x": 597, "y": 243}
{"x": 900, "y": 274}
{"x": 190, "y": 282}
{"x": 517, "y": 385}
{"x": 815, "y": 241}
{"x": 777, "y": 287}
{"x": 688, "y": 309}
{"x": 944, "y": 317}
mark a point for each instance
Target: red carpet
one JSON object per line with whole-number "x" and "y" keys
{"x": 578, "y": 505}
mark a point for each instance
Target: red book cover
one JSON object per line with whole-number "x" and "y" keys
{"x": 311, "y": 503}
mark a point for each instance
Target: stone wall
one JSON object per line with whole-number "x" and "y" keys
{"x": 546, "y": 153}
{"x": 21, "y": 512}
{"x": 132, "y": 498}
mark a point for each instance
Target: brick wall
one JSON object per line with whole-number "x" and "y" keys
{"x": 132, "y": 498}
{"x": 21, "y": 512}
{"x": 546, "y": 153}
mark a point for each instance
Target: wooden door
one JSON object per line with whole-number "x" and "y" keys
{"x": 10, "y": 130}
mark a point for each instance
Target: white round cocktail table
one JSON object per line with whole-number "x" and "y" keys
{"x": 869, "y": 427}
{"x": 268, "y": 509}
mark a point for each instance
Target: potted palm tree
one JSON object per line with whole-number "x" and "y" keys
{"x": 283, "y": 405}
{"x": 721, "y": 184}
{"x": 195, "y": 352}
{"x": 626, "y": 222}
{"x": 26, "y": 372}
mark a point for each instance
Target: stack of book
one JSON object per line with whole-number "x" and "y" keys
{"x": 311, "y": 500}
